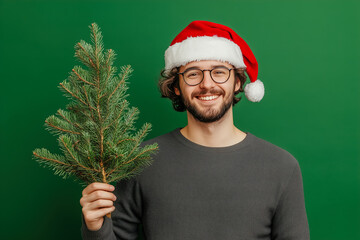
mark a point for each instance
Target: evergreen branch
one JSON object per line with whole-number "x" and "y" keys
{"x": 80, "y": 78}
{"x": 128, "y": 173}
{"x": 101, "y": 145}
{"x": 82, "y": 59}
{"x": 95, "y": 43}
{"x": 150, "y": 149}
{"x": 73, "y": 94}
{"x": 53, "y": 160}
{"x": 87, "y": 139}
{"x": 90, "y": 175}
{"x": 98, "y": 81}
{"x": 75, "y": 125}
{"x": 101, "y": 119}
{"x": 109, "y": 67}
{"x": 115, "y": 120}
{"x": 126, "y": 129}
{"x": 106, "y": 92}
{"x": 101, "y": 129}
{"x": 98, "y": 105}
{"x": 103, "y": 172}
{"x": 108, "y": 59}
{"x": 75, "y": 144}
{"x": 128, "y": 139}
{"x": 76, "y": 110}
{"x": 103, "y": 95}
{"x": 62, "y": 140}
{"x": 90, "y": 161}
{"x": 88, "y": 103}
{"x": 135, "y": 146}
{"x": 127, "y": 69}
{"x": 110, "y": 52}
{"x": 60, "y": 129}
{"x": 88, "y": 55}
{"x": 117, "y": 155}
{"x": 123, "y": 106}
{"x": 111, "y": 157}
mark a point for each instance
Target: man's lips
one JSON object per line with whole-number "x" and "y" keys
{"x": 207, "y": 97}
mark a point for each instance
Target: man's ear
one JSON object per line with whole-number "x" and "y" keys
{"x": 176, "y": 90}
{"x": 237, "y": 84}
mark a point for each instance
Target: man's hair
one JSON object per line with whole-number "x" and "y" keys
{"x": 170, "y": 80}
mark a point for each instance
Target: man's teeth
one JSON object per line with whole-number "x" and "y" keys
{"x": 209, "y": 97}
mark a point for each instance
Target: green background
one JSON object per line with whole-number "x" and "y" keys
{"x": 308, "y": 54}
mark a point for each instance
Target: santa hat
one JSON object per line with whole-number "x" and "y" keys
{"x": 203, "y": 40}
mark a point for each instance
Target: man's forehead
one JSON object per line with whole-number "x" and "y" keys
{"x": 206, "y": 63}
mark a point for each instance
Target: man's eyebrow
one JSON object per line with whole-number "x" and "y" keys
{"x": 197, "y": 67}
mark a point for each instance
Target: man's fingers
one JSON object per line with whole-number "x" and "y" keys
{"x": 101, "y": 203}
{"x": 97, "y": 186}
{"x": 99, "y": 213}
{"x": 97, "y": 201}
{"x": 97, "y": 195}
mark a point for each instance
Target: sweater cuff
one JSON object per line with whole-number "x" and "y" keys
{"x": 103, "y": 233}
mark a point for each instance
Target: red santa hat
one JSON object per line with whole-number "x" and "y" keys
{"x": 204, "y": 40}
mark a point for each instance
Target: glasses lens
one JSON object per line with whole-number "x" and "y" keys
{"x": 220, "y": 74}
{"x": 193, "y": 77}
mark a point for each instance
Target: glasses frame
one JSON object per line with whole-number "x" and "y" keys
{"x": 203, "y": 70}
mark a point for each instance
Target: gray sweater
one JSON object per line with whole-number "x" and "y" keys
{"x": 247, "y": 191}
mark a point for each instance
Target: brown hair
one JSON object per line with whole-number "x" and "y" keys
{"x": 170, "y": 80}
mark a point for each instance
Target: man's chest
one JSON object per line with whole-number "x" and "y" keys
{"x": 217, "y": 188}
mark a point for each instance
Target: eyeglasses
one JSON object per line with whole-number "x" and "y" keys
{"x": 194, "y": 77}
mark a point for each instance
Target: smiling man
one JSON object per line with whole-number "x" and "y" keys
{"x": 207, "y": 91}
{"x": 208, "y": 94}
{"x": 210, "y": 180}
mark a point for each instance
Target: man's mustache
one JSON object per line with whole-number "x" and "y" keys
{"x": 208, "y": 92}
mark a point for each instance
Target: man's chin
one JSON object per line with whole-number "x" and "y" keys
{"x": 207, "y": 114}
{"x": 206, "y": 118}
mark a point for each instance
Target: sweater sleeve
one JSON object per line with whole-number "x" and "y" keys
{"x": 290, "y": 219}
{"x": 126, "y": 217}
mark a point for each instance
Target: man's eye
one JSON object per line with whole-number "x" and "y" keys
{"x": 192, "y": 74}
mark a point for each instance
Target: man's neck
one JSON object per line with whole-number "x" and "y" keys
{"x": 221, "y": 133}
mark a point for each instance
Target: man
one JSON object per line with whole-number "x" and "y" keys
{"x": 210, "y": 180}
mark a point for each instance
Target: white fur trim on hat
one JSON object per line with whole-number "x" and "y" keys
{"x": 203, "y": 48}
{"x": 254, "y": 91}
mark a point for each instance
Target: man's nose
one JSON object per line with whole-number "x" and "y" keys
{"x": 207, "y": 81}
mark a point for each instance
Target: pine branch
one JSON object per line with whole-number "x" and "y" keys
{"x": 131, "y": 160}
{"x": 80, "y": 78}
{"x": 58, "y": 126}
{"x": 117, "y": 118}
{"x": 97, "y": 135}
{"x": 125, "y": 74}
{"x": 147, "y": 126}
{"x": 72, "y": 94}
{"x": 80, "y": 45}
{"x": 62, "y": 114}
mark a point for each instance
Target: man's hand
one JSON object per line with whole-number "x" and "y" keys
{"x": 97, "y": 201}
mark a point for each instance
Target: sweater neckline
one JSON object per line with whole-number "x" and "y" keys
{"x": 183, "y": 140}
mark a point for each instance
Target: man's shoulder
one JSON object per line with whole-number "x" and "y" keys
{"x": 273, "y": 153}
{"x": 161, "y": 139}
{"x": 166, "y": 144}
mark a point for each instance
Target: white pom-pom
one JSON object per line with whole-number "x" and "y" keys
{"x": 254, "y": 91}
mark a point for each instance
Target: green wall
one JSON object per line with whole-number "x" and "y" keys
{"x": 308, "y": 54}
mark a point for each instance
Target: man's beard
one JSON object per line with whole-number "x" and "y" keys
{"x": 209, "y": 115}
